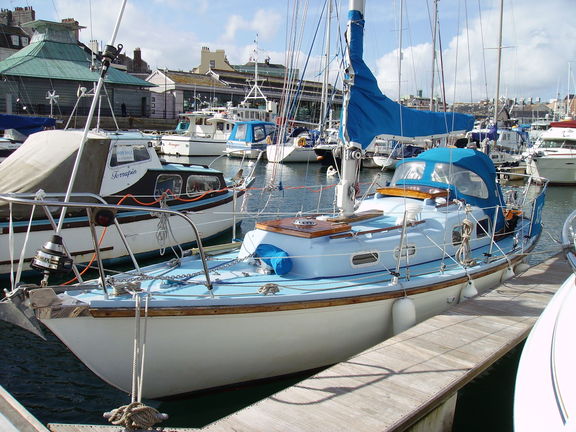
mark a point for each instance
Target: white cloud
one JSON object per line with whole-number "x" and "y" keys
{"x": 539, "y": 46}
{"x": 264, "y": 22}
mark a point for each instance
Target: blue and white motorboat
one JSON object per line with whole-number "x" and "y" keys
{"x": 305, "y": 291}
{"x": 249, "y": 139}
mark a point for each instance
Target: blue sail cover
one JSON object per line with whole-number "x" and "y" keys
{"x": 370, "y": 113}
{"x": 25, "y": 124}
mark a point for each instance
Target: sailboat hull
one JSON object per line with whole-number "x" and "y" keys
{"x": 219, "y": 349}
{"x": 290, "y": 153}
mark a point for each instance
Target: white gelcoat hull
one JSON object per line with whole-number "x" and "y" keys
{"x": 385, "y": 162}
{"x": 192, "y": 146}
{"x": 141, "y": 237}
{"x": 557, "y": 169}
{"x": 236, "y": 152}
{"x": 550, "y": 346}
{"x": 289, "y": 153}
{"x": 214, "y": 351}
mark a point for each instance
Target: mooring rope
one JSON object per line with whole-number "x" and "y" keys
{"x": 134, "y": 416}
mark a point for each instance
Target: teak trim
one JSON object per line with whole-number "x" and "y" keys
{"x": 295, "y": 305}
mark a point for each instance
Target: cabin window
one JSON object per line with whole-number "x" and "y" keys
{"x": 364, "y": 259}
{"x": 408, "y": 170}
{"x": 183, "y": 126}
{"x": 171, "y": 184}
{"x": 15, "y": 40}
{"x": 220, "y": 126}
{"x": 557, "y": 144}
{"x": 198, "y": 184}
{"x": 482, "y": 228}
{"x": 407, "y": 250}
{"x": 126, "y": 154}
{"x": 457, "y": 235}
{"x": 241, "y": 132}
{"x": 25, "y": 41}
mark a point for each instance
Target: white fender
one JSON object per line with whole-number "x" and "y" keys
{"x": 521, "y": 268}
{"x": 508, "y": 274}
{"x": 468, "y": 291}
{"x": 403, "y": 315}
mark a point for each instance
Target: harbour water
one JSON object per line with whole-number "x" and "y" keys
{"x": 57, "y": 388}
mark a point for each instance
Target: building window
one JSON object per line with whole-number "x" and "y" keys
{"x": 212, "y": 64}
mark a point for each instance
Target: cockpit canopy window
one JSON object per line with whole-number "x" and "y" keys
{"x": 262, "y": 131}
{"x": 126, "y": 154}
{"x": 241, "y": 131}
{"x": 408, "y": 171}
{"x": 465, "y": 181}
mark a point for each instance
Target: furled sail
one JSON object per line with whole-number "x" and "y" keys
{"x": 370, "y": 113}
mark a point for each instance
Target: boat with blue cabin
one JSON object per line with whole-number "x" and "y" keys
{"x": 249, "y": 139}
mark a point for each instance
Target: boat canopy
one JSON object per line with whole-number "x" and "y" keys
{"x": 25, "y": 124}
{"x": 251, "y": 131}
{"x": 469, "y": 174}
{"x": 45, "y": 160}
{"x": 371, "y": 113}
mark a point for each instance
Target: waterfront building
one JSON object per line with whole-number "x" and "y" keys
{"x": 55, "y": 62}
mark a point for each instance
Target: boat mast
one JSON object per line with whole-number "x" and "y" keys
{"x": 255, "y": 92}
{"x": 324, "y": 98}
{"x": 109, "y": 54}
{"x": 434, "y": 33}
{"x": 499, "y": 64}
{"x": 351, "y": 153}
{"x": 400, "y": 50}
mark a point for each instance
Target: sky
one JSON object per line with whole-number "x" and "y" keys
{"x": 538, "y": 39}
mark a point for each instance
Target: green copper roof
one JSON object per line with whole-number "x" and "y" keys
{"x": 57, "y": 60}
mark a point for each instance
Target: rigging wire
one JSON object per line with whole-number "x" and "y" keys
{"x": 483, "y": 52}
{"x": 468, "y": 43}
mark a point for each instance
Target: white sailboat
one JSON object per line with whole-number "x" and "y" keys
{"x": 502, "y": 142}
{"x": 300, "y": 147}
{"x": 306, "y": 291}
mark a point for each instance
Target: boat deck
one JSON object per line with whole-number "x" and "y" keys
{"x": 393, "y": 385}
